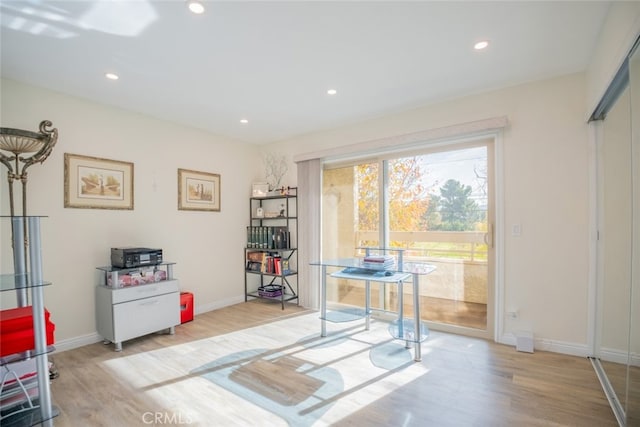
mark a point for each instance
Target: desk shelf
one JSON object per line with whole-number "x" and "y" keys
{"x": 405, "y": 330}
{"x": 347, "y": 314}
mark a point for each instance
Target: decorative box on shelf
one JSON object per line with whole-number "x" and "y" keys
{"x": 270, "y": 291}
{"x": 116, "y": 277}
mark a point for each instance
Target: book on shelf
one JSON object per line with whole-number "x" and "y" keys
{"x": 268, "y": 263}
{"x": 263, "y": 264}
{"x": 267, "y": 237}
{"x": 277, "y": 266}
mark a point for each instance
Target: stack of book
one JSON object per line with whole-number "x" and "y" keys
{"x": 266, "y": 262}
{"x": 379, "y": 262}
{"x": 262, "y": 237}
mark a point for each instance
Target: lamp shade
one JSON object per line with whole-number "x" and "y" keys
{"x": 20, "y": 141}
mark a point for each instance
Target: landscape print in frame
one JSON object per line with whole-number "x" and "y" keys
{"x": 96, "y": 183}
{"x": 198, "y": 191}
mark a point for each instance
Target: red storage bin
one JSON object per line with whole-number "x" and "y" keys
{"x": 18, "y": 319}
{"x": 20, "y": 341}
{"x": 186, "y": 307}
{"x": 16, "y": 330}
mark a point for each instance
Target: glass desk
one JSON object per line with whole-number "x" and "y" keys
{"x": 353, "y": 269}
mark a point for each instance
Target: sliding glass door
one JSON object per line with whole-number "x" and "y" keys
{"x": 435, "y": 205}
{"x": 617, "y": 332}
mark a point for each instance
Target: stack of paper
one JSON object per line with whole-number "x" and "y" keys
{"x": 379, "y": 262}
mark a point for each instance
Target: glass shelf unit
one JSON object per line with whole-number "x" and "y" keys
{"x": 32, "y": 406}
{"x": 13, "y": 282}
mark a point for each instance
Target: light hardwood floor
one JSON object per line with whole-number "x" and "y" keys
{"x": 253, "y": 364}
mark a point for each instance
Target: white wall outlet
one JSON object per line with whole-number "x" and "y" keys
{"x": 516, "y": 230}
{"x": 512, "y": 314}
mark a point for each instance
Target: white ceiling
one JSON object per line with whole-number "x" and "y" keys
{"x": 272, "y": 62}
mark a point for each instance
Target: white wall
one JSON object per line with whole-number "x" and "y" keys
{"x": 207, "y": 246}
{"x": 545, "y": 164}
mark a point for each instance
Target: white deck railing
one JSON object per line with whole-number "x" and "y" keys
{"x": 462, "y": 245}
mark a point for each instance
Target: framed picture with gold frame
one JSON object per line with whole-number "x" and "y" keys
{"x": 96, "y": 183}
{"x": 198, "y": 191}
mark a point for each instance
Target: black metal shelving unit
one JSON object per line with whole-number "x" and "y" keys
{"x": 272, "y": 235}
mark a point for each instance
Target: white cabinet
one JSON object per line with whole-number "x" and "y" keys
{"x": 134, "y": 311}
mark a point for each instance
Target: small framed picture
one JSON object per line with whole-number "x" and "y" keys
{"x": 260, "y": 189}
{"x": 259, "y": 213}
{"x": 198, "y": 191}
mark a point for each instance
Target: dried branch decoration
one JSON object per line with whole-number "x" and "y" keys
{"x": 276, "y": 167}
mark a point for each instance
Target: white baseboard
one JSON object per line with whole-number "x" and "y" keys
{"x": 75, "y": 342}
{"x": 613, "y": 355}
{"x": 619, "y": 356}
{"x": 562, "y": 347}
{"x": 199, "y": 309}
{"x": 81, "y": 341}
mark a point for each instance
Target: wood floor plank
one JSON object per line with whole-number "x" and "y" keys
{"x": 255, "y": 364}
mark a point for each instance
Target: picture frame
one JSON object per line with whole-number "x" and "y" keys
{"x": 97, "y": 183}
{"x": 198, "y": 191}
{"x": 260, "y": 189}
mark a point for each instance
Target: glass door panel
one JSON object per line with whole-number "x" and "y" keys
{"x": 615, "y": 244}
{"x": 437, "y": 207}
{"x": 633, "y": 375}
{"x": 350, "y": 219}
{"x": 439, "y": 213}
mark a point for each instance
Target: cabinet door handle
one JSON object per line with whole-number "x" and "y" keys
{"x": 154, "y": 302}
{"x": 147, "y": 288}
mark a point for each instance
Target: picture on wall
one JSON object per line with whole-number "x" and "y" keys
{"x": 198, "y": 191}
{"x": 95, "y": 183}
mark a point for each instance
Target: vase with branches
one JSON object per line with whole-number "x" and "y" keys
{"x": 276, "y": 167}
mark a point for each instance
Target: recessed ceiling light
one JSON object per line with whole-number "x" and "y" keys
{"x": 111, "y": 76}
{"x": 481, "y": 45}
{"x": 244, "y": 121}
{"x": 332, "y": 92}
{"x": 196, "y": 6}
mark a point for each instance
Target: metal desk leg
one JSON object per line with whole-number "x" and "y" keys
{"x": 367, "y": 305}
{"x": 323, "y": 302}
{"x": 416, "y": 317}
{"x": 407, "y": 344}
